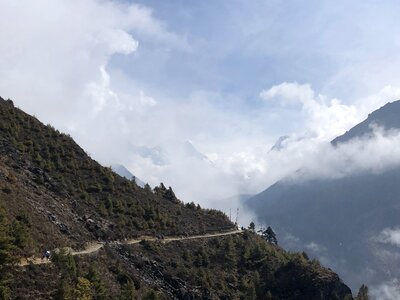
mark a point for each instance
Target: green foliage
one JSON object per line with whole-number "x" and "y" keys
{"x": 202, "y": 259}
{"x": 6, "y": 240}
{"x": 363, "y": 293}
{"x": 99, "y": 289}
{"x": 191, "y": 205}
{"x": 20, "y": 228}
{"x": 242, "y": 266}
{"x": 4, "y": 291}
{"x": 269, "y": 235}
{"x": 65, "y": 262}
{"x": 128, "y": 291}
{"x": 6, "y": 254}
{"x": 64, "y": 291}
{"x": 147, "y": 188}
{"x": 252, "y": 227}
{"x": 83, "y": 290}
{"x": 103, "y": 210}
{"x": 230, "y": 252}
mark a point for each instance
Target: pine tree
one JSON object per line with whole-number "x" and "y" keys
{"x": 363, "y": 293}
{"x": 20, "y": 228}
{"x": 83, "y": 289}
{"x": 270, "y": 236}
{"x": 128, "y": 291}
{"x": 147, "y": 188}
{"x": 229, "y": 251}
{"x": 6, "y": 250}
{"x": 170, "y": 195}
{"x": 64, "y": 291}
{"x": 93, "y": 276}
{"x": 252, "y": 227}
{"x": 5, "y": 240}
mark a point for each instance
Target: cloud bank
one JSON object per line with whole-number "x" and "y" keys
{"x": 67, "y": 62}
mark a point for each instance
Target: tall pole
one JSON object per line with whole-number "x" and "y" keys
{"x": 237, "y": 217}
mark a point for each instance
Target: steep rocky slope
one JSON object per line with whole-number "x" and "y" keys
{"x": 53, "y": 195}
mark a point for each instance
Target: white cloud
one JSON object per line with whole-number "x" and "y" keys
{"x": 390, "y": 236}
{"x": 372, "y": 102}
{"x": 290, "y": 93}
{"x": 386, "y": 291}
{"x": 146, "y": 100}
{"x": 324, "y": 118}
{"x": 142, "y": 21}
{"x": 55, "y": 54}
{"x": 315, "y": 248}
{"x": 100, "y": 93}
{"x": 117, "y": 41}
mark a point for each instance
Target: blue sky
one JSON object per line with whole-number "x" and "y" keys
{"x": 241, "y": 47}
{"x": 137, "y": 82}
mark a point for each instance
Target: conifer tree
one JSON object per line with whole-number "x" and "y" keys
{"x": 252, "y": 227}
{"x": 99, "y": 289}
{"x": 128, "y": 291}
{"x": 6, "y": 258}
{"x": 83, "y": 289}
{"x": 64, "y": 291}
{"x": 363, "y": 293}
{"x": 270, "y": 236}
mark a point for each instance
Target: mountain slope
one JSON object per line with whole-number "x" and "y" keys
{"x": 386, "y": 117}
{"x": 54, "y": 195}
{"x": 340, "y": 220}
{"x": 115, "y": 205}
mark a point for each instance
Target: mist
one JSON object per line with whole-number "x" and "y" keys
{"x": 208, "y": 143}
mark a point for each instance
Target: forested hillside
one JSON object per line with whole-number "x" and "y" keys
{"x": 53, "y": 195}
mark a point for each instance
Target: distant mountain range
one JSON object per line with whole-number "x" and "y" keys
{"x": 165, "y": 154}
{"x": 340, "y": 221}
{"x": 124, "y": 172}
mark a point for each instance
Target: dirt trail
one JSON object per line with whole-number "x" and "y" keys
{"x": 180, "y": 238}
{"x": 94, "y": 247}
{"x": 91, "y": 248}
{"x": 33, "y": 260}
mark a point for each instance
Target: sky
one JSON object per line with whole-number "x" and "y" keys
{"x": 195, "y": 93}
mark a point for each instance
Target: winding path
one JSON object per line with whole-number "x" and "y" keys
{"x": 94, "y": 247}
